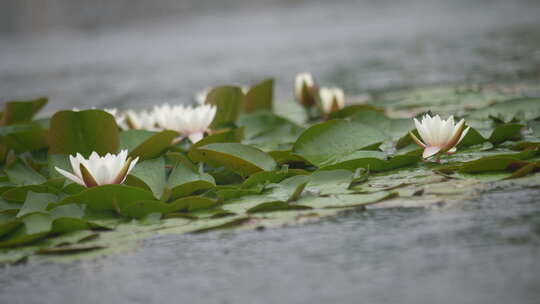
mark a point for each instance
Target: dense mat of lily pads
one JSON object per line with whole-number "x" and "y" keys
{"x": 260, "y": 164}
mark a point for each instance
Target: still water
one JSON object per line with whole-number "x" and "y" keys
{"x": 485, "y": 252}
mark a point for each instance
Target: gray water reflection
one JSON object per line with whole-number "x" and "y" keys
{"x": 487, "y": 253}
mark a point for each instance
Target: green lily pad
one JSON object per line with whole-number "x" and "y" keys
{"x": 36, "y": 202}
{"x": 146, "y": 144}
{"x": 352, "y": 110}
{"x": 324, "y": 143}
{"x": 241, "y": 159}
{"x": 152, "y": 174}
{"x": 260, "y": 96}
{"x": 83, "y": 132}
{"x": 16, "y": 112}
{"x": 276, "y": 206}
{"x": 505, "y": 132}
{"x": 229, "y": 103}
{"x": 527, "y": 108}
{"x": 108, "y": 197}
{"x": 184, "y": 180}
{"x": 330, "y": 182}
{"x": 268, "y": 177}
{"x": 25, "y": 137}
{"x": 191, "y": 203}
{"x": 394, "y": 128}
{"x": 347, "y": 200}
{"x": 20, "y": 174}
{"x": 268, "y": 131}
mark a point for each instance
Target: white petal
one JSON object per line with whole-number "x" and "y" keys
{"x": 75, "y": 166}
{"x": 430, "y": 151}
{"x": 70, "y": 176}
{"x": 463, "y": 135}
{"x": 195, "y": 137}
{"x": 424, "y": 134}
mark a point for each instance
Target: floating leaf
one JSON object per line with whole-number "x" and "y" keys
{"x": 494, "y": 163}
{"x": 70, "y": 210}
{"x": 289, "y": 189}
{"x": 141, "y": 209}
{"x": 37, "y": 223}
{"x": 505, "y": 132}
{"x": 108, "y": 197}
{"x": 325, "y": 143}
{"x": 146, "y": 144}
{"x": 21, "y": 175}
{"x": 152, "y": 173}
{"x": 25, "y": 137}
{"x": 36, "y": 202}
{"x": 472, "y": 138}
{"x": 269, "y": 131}
{"x": 330, "y": 182}
{"x": 191, "y": 203}
{"x": 184, "y": 181}
{"x": 528, "y": 108}
{"x": 267, "y": 177}
{"x": 16, "y": 112}
{"x": 276, "y": 206}
{"x": 260, "y": 96}
{"x": 352, "y": 110}
{"x": 83, "y": 132}
{"x": 345, "y": 201}
{"x": 241, "y": 159}
{"x": 394, "y": 128}
{"x": 228, "y": 101}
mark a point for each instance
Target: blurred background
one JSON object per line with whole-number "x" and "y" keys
{"x": 136, "y": 52}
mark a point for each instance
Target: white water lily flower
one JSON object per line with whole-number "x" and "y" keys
{"x": 332, "y": 99}
{"x": 305, "y": 89}
{"x": 192, "y": 122}
{"x": 143, "y": 120}
{"x": 96, "y": 170}
{"x": 438, "y": 136}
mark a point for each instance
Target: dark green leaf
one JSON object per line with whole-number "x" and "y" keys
{"x": 241, "y": 159}
{"x": 146, "y": 144}
{"x": 36, "y": 202}
{"x": 276, "y": 206}
{"x": 326, "y": 143}
{"x": 505, "y": 132}
{"x": 152, "y": 173}
{"x": 21, "y": 111}
{"x": 20, "y": 174}
{"x": 228, "y": 101}
{"x": 260, "y": 96}
{"x": 108, "y": 197}
{"x": 83, "y": 132}
{"x": 351, "y": 110}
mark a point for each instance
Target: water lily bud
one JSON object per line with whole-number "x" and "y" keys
{"x": 305, "y": 89}
{"x": 96, "y": 170}
{"x": 192, "y": 122}
{"x": 438, "y": 136}
{"x": 332, "y": 99}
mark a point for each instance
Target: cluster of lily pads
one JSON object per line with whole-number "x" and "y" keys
{"x": 89, "y": 180}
